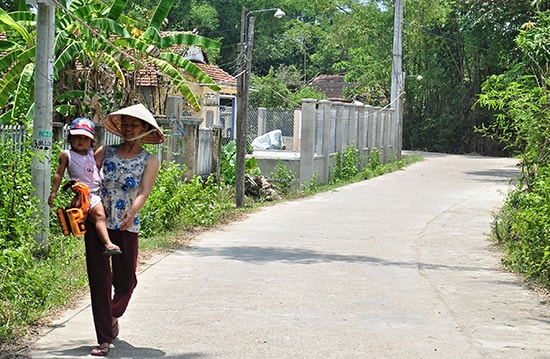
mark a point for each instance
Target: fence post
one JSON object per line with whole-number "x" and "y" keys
{"x": 395, "y": 136}
{"x": 339, "y": 130}
{"x": 297, "y": 130}
{"x": 324, "y": 109}
{"x": 380, "y": 118}
{"x": 190, "y": 145}
{"x": 352, "y": 134}
{"x": 307, "y": 145}
{"x": 262, "y": 120}
{"x": 361, "y": 134}
{"x": 387, "y": 134}
{"x": 216, "y": 151}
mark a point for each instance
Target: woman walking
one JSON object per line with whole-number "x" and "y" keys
{"x": 128, "y": 174}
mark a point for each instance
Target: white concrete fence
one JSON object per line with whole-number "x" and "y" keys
{"x": 327, "y": 128}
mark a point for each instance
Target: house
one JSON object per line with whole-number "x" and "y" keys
{"x": 217, "y": 108}
{"x": 331, "y": 85}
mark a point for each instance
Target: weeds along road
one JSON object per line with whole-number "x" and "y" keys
{"x": 399, "y": 266}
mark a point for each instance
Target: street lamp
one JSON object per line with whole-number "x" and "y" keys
{"x": 243, "y": 84}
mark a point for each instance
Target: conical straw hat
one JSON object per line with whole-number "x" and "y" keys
{"x": 112, "y": 123}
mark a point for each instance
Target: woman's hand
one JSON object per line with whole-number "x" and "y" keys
{"x": 126, "y": 220}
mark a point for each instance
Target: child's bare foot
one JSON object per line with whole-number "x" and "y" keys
{"x": 112, "y": 249}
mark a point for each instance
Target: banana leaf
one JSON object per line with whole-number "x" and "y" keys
{"x": 191, "y": 68}
{"x": 24, "y": 91}
{"x": 189, "y": 39}
{"x": 116, "y": 9}
{"x": 10, "y": 23}
{"x": 179, "y": 82}
{"x": 114, "y": 66}
{"x": 67, "y": 56}
{"x": 111, "y": 25}
{"x": 161, "y": 13}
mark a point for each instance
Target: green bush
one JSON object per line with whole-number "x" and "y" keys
{"x": 283, "y": 177}
{"x": 346, "y": 165}
{"x": 228, "y": 164}
{"x": 523, "y": 227}
{"x": 173, "y": 202}
{"x": 30, "y": 283}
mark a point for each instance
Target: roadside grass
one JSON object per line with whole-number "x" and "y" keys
{"x": 60, "y": 277}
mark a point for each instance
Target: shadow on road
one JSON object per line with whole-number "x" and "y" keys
{"x": 261, "y": 255}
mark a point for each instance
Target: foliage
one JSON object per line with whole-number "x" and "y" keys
{"x": 523, "y": 227}
{"x": 283, "y": 177}
{"x": 374, "y": 165}
{"x": 173, "y": 202}
{"x": 28, "y": 285}
{"x": 99, "y": 53}
{"x": 229, "y": 164}
{"x": 456, "y": 46}
{"x": 312, "y": 185}
{"x": 346, "y": 165}
{"x": 520, "y": 100}
{"x": 281, "y": 89}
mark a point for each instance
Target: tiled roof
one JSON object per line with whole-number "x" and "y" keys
{"x": 330, "y": 85}
{"x": 218, "y": 75}
{"x": 148, "y": 76}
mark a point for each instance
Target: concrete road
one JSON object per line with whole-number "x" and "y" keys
{"x": 398, "y": 266}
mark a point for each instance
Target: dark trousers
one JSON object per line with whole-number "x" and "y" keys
{"x": 108, "y": 275}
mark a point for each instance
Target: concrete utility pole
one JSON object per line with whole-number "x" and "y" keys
{"x": 43, "y": 109}
{"x": 398, "y": 78}
{"x": 242, "y": 112}
{"x": 243, "y": 84}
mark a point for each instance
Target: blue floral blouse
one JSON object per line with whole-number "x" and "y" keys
{"x": 121, "y": 179}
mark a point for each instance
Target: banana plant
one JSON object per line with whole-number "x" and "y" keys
{"x": 98, "y": 54}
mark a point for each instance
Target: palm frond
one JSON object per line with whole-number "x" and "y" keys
{"x": 188, "y": 39}
{"x": 67, "y": 56}
{"x": 114, "y": 66}
{"x": 116, "y": 9}
{"x": 161, "y": 13}
{"x": 9, "y": 22}
{"x": 179, "y": 82}
{"x": 190, "y": 68}
{"x": 23, "y": 92}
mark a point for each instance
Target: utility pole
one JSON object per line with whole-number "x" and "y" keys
{"x": 242, "y": 114}
{"x": 243, "y": 85}
{"x": 43, "y": 109}
{"x": 398, "y": 78}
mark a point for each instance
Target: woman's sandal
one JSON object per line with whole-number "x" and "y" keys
{"x": 101, "y": 350}
{"x": 112, "y": 250}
